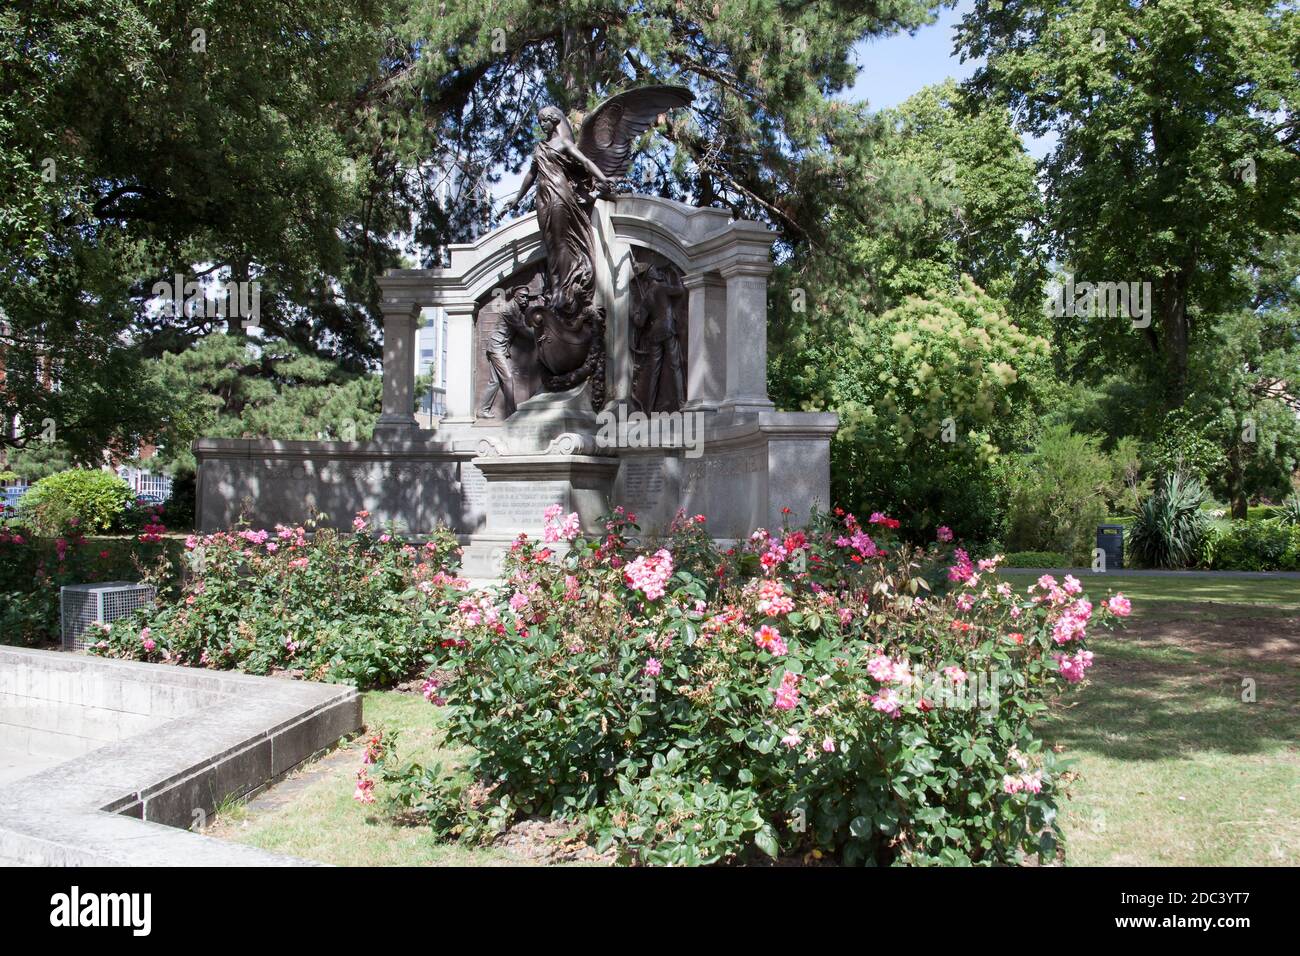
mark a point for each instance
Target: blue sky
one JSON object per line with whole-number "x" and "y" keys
{"x": 893, "y": 68}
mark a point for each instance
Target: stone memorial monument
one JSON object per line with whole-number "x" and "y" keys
{"x": 607, "y": 349}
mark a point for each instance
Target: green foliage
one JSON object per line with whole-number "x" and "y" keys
{"x": 670, "y": 818}
{"x": 72, "y": 386}
{"x": 1183, "y": 446}
{"x": 133, "y": 149}
{"x": 1253, "y": 546}
{"x": 85, "y": 500}
{"x": 1289, "y": 512}
{"x": 228, "y": 386}
{"x": 948, "y": 188}
{"x": 617, "y": 688}
{"x": 1241, "y": 373}
{"x": 1060, "y": 493}
{"x": 1128, "y": 484}
{"x": 32, "y": 570}
{"x": 180, "y": 507}
{"x": 167, "y": 151}
{"x": 929, "y": 395}
{"x": 362, "y": 608}
{"x": 1169, "y": 528}
{"x": 1207, "y": 180}
{"x": 443, "y": 801}
{"x": 1036, "y": 559}
{"x": 38, "y": 460}
{"x": 970, "y": 186}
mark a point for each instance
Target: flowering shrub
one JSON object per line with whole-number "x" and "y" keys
{"x": 32, "y": 569}
{"x": 826, "y": 690}
{"x": 363, "y": 608}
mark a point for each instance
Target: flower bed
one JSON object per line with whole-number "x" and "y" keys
{"x": 828, "y": 691}
{"x": 34, "y": 568}
{"x": 362, "y": 608}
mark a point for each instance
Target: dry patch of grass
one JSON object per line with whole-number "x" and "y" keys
{"x": 1177, "y": 764}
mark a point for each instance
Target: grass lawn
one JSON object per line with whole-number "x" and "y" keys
{"x": 313, "y": 815}
{"x": 1174, "y": 768}
{"x": 1280, "y": 592}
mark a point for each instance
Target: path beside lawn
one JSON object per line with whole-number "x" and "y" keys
{"x": 1174, "y": 767}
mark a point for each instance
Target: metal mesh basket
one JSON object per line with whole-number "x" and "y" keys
{"x": 83, "y": 605}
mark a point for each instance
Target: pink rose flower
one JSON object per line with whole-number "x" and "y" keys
{"x": 1120, "y": 606}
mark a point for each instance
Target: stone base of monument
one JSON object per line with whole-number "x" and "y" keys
{"x": 741, "y": 473}
{"x": 519, "y": 490}
{"x": 488, "y": 485}
{"x": 412, "y": 482}
{"x": 545, "y": 454}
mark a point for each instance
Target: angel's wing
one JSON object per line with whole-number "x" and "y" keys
{"x": 608, "y": 133}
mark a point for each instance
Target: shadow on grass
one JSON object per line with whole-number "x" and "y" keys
{"x": 1212, "y": 591}
{"x": 1156, "y": 703}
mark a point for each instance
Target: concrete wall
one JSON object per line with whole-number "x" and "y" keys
{"x": 65, "y": 712}
{"x": 413, "y": 483}
{"x": 202, "y": 738}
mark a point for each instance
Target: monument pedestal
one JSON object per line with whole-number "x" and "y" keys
{"x": 519, "y": 489}
{"x": 544, "y": 454}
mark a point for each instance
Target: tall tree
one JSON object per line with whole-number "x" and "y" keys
{"x": 1178, "y": 147}
{"x": 207, "y": 137}
{"x": 964, "y": 202}
{"x": 1246, "y": 381}
{"x": 309, "y": 146}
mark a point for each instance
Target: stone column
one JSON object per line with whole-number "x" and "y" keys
{"x": 613, "y": 264}
{"x": 746, "y": 337}
{"x": 460, "y": 363}
{"x": 397, "y": 417}
{"x": 706, "y": 358}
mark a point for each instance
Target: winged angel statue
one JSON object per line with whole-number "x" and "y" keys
{"x": 569, "y": 176}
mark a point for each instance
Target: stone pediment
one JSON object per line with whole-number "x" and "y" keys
{"x": 694, "y": 239}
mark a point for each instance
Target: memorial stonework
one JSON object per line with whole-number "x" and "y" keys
{"x": 607, "y": 349}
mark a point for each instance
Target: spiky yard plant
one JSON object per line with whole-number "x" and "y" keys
{"x": 1289, "y": 511}
{"x": 1169, "y": 526}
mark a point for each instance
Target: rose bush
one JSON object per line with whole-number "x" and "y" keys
{"x": 827, "y": 691}
{"x": 361, "y": 608}
{"x": 34, "y": 568}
